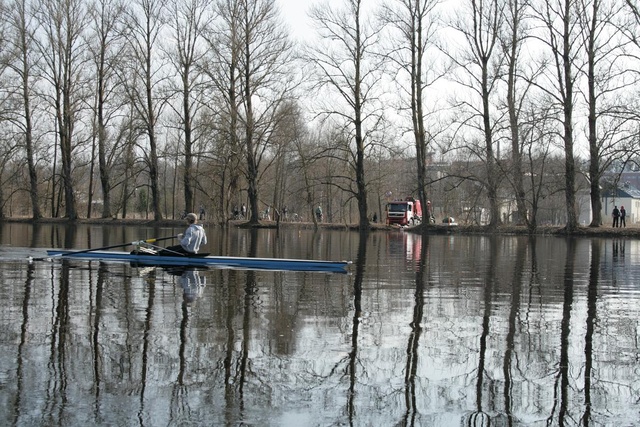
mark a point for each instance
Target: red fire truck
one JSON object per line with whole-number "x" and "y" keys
{"x": 404, "y": 212}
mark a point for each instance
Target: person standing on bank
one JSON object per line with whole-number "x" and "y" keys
{"x": 190, "y": 241}
{"x": 616, "y": 215}
{"x": 623, "y": 215}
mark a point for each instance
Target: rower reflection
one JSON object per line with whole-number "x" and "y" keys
{"x": 191, "y": 281}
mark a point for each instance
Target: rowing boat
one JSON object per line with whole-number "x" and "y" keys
{"x": 249, "y": 263}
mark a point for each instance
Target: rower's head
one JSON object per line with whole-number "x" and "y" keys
{"x": 192, "y": 218}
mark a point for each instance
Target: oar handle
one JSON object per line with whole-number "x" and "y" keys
{"x": 157, "y": 239}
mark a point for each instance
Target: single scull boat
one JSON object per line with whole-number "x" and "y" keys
{"x": 249, "y": 263}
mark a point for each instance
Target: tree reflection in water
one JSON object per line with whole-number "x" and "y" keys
{"x": 592, "y": 315}
{"x": 413, "y": 345}
{"x": 507, "y": 367}
{"x": 355, "y": 329}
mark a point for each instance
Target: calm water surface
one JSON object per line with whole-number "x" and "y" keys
{"x": 425, "y": 331}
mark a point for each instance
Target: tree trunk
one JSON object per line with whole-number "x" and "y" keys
{"x": 64, "y": 133}
{"x": 36, "y": 214}
{"x": 570, "y": 171}
{"x": 512, "y": 105}
{"x": 361, "y": 183}
{"x": 492, "y": 178}
{"x": 105, "y": 175}
{"x": 594, "y": 151}
{"x": 188, "y": 146}
{"x": 153, "y": 149}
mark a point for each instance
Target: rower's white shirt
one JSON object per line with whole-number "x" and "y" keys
{"x": 193, "y": 237}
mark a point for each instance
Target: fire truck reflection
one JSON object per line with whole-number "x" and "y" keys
{"x": 405, "y": 245}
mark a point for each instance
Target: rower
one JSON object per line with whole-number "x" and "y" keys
{"x": 190, "y": 240}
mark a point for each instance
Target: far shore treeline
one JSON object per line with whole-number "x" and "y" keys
{"x": 497, "y": 113}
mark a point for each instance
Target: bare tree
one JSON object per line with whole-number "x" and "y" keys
{"x": 306, "y": 153}
{"x": 10, "y": 171}
{"x": 537, "y": 135}
{"x": 142, "y": 78}
{"x": 188, "y": 21}
{"x": 630, "y": 26}
{"x": 604, "y": 78}
{"x": 106, "y": 46}
{"x": 559, "y": 20}
{"x": 21, "y": 58}
{"x": 512, "y": 42}
{"x": 346, "y": 65}
{"x": 480, "y": 62}
{"x": 221, "y": 67}
{"x": 414, "y": 23}
{"x": 8, "y": 146}
{"x": 289, "y": 128}
{"x": 265, "y": 81}
{"x": 129, "y": 131}
{"x": 63, "y": 48}
{"x": 250, "y": 72}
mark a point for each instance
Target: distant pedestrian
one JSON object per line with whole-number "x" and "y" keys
{"x": 616, "y": 216}
{"x": 623, "y": 215}
{"x": 243, "y": 212}
{"x": 202, "y": 212}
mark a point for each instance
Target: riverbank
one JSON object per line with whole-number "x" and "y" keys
{"x": 632, "y": 231}
{"x": 603, "y": 231}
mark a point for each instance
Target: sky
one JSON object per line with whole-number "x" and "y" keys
{"x": 294, "y": 13}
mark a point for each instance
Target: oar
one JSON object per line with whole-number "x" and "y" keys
{"x": 118, "y": 246}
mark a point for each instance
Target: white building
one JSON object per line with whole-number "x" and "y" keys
{"x": 626, "y": 196}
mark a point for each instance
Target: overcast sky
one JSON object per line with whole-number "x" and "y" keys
{"x": 294, "y": 13}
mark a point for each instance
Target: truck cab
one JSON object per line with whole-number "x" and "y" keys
{"x": 404, "y": 212}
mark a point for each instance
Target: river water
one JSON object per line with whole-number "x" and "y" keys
{"x": 445, "y": 330}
